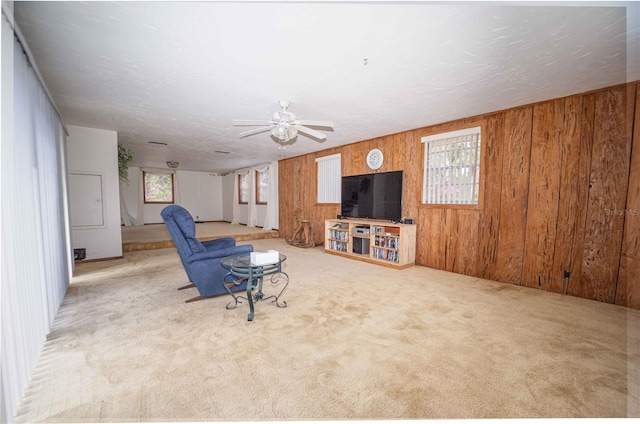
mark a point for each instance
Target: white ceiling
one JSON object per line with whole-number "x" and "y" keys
{"x": 180, "y": 72}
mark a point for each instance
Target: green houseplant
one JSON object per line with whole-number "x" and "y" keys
{"x": 125, "y": 158}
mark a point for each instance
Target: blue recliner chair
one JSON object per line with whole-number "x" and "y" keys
{"x": 201, "y": 260}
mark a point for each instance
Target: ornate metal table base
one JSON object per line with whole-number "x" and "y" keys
{"x": 241, "y": 270}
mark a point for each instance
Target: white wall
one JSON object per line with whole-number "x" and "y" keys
{"x": 201, "y": 195}
{"x": 198, "y": 192}
{"x": 206, "y": 196}
{"x": 94, "y": 153}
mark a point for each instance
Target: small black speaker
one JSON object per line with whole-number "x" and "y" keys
{"x": 361, "y": 245}
{"x": 339, "y": 217}
{"x": 407, "y": 221}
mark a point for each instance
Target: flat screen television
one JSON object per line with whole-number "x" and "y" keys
{"x": 374, "y": 196}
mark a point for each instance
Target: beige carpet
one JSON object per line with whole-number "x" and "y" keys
{"x": 357, "y": 341}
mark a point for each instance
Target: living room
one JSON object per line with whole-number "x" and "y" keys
{"x": 543, "y": 269}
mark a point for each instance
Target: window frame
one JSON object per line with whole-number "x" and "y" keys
{"x": 240, "y": 197}
{"x": 481, "y": 171}
{"x": 259, "y": 199}
{"x": 154, "y": 202}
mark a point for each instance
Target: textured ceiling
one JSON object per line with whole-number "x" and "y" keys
{"x": 180, "y": 72}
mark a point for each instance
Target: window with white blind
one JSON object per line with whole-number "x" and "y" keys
{"x": 329, "y": 178}
{"x": 452, "y": 167}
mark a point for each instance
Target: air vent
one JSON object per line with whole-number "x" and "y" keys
{"x": 222, "y": 151}
{"x": 158, "y": 143}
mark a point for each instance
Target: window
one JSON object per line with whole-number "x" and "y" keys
{"x": 329, "y": 179}
{"x": 158, "y": 188}
{"x": 262, "y": 187}
{"x": 243, "y": 188}
{"x": 452, "y": 167}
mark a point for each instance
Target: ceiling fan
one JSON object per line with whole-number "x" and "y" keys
{"x": 284, "y": 126}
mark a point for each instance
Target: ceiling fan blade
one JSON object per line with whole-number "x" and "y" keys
{"x": 309, "y": 131}
{"x": 240, "y": 122}
{"x": 314, "y": 123}
{"x": 256, "y": 131}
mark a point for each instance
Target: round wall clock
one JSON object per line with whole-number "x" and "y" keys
{"x": 375, "y": 158}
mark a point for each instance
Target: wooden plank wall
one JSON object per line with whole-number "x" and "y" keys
{"x": 628, "y": 290}
{"x": 560, "y": 208}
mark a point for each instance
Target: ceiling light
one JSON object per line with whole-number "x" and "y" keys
{"x": 172, "y": 164}
{"x": 279, "y": 131}
{"x": 284, "y": 132}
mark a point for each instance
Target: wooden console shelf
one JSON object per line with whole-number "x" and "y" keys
{"x": 378, "y": 242}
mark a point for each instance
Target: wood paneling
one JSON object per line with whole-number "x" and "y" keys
{"x": 285, "y": 198}
{"x": 582, "y": 195}
{"x": 468, "y": 240}
{"x": 576, "y": 156}
{"x": 513, "y": 196}
{"x": 628, "y": 289}
{"x": 489, "y": 219}
{"x": 559, "y": 192}
{"x": 608, "y": 186}
{"x": 397, "y": 159}
{"x": 431, "y": 242}
{"x": 412, "y": 175}
{"x": 450, "y": 239}
{"x": 544, "y": 188}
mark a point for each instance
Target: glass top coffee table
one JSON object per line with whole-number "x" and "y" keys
{"x": 240, "y": 269}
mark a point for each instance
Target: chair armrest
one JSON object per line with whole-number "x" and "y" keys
{"x": 221, "y": 243}
{"x": 219, "y": 254}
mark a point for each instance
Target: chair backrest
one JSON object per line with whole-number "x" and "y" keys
{"x": 182, "y": 229}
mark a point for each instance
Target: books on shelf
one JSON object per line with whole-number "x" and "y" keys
{"x": 338, "y": 235}
{"x": 385, "y": 254}
{"x": 338, "y": 245}
{"x": 387, "y": 241}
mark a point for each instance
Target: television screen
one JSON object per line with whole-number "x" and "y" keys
{"x": 375, "y": 196}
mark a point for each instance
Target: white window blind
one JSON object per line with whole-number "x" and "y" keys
{"x": 36, "y": 261}
{"x": 452, "y": 167}
{"x": 329, "y": 178}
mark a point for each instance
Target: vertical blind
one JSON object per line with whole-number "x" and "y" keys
{"x": 452, "y": 167}
{"x": 329, "y": 175}
{"x": 36, "y": 250}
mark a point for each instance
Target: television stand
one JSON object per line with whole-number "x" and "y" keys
{"x": 378, "y": 242}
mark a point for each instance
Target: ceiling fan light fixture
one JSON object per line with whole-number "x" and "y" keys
{"x": 284, "y": 132}
{"x": 284, "y": 126}
{"x": 172, "y": 164}
{"x": 275, "y": 131}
